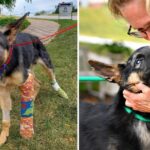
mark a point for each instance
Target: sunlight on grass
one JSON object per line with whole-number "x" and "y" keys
{"x": 100, "y": 22}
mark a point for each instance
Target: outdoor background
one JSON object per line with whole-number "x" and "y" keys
{"x": 54, "y": 117}
{"x": 103, "y": 38}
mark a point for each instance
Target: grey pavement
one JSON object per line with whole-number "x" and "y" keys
{"x": 42, "y": 28}
{"x": 56, "y": 17}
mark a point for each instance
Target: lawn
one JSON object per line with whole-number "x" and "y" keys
{"x": 55, "y": 118}
{"x": 100, "y": 22}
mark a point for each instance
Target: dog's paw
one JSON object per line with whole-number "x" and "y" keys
{"x": 5, "y": 132}
{"x": 62, "y": 93}
{"x": 3, "y": 137}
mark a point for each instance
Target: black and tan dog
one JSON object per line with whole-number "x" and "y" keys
{"x": 19, "y": 67}
{"x": 115, "y": 126}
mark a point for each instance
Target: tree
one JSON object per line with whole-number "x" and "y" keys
{"x": 10, "y": 3}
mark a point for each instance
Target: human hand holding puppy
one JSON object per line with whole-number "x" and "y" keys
{"x": 139, "y": 101}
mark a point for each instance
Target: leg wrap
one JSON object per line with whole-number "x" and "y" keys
{"x": 59, "y": 90}
{"x": 27, "y": 104}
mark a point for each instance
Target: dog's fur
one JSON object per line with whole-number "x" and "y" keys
{"x": 111, "y": 127}
{"x": 19, "y": 67}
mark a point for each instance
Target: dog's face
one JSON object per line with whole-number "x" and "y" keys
{"x": 136, "y": 70}
{"x": 8, "y": 37}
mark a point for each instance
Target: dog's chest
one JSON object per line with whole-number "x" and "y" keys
{"x": 15, "y": 78}
{"x": 143, "y": 134}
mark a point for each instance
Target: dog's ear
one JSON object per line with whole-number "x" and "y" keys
{"x": 13, "y": 28}
{"x": 110, "y": 72}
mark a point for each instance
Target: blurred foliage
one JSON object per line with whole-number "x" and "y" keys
{"x": 7, "y": 20}
{"x": 10, "y": 3}
{"x": 43, "y": 12}
{"x": 101, "y": 23}
{"x": 105, "y": 49}
{"x": 116, "y": 48}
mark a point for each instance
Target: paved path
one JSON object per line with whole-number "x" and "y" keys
{"x": 41, "y": 28}
{"x": 56, "y": 17}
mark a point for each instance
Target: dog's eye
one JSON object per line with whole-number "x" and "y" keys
{"x": 139, "y": 61}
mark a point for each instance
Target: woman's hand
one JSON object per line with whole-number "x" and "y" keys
{"x": 139, "y": 101}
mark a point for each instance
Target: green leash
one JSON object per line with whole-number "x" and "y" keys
{"x": 137, "y": 116}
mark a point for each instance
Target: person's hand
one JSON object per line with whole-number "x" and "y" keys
{"x": 139, "y": 101}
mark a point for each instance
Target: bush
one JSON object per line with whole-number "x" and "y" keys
{"x": 116, "y": 48}
{"x": 7, "y": 20}
{"x": 43, "y": 12}
{"x": 104, "y": 49}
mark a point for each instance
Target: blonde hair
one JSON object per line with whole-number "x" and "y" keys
{"x": 114, "y": 6}
{"x": 148, "y": 6}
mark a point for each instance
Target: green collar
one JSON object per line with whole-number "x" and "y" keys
{"x": 137, "y": 116}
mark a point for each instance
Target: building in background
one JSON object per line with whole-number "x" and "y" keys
{"x": 65, "y": 9}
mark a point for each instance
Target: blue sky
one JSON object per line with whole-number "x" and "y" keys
{"x": 22, "y": 6}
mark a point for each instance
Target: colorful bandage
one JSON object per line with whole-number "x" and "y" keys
{"x": 27, "y": 104}
{"x": 27, "y": 108}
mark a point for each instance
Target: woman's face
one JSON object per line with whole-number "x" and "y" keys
{"x": 136, "y": 15}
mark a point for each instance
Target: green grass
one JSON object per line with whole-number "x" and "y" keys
{"x": 100, "y": 22}
{"x": 7, "y": 20}
{"x": 54, "y": 117}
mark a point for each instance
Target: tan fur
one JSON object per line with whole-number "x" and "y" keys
{"x": 134, "y": 79}
{"x": 5, "y": 55}
{"x": 5, "y": 104}
{"x": 5, "y": 98}
{"x": 5, "y": 132}
{"x": 15, "y": 79}
{"x": 11, "y": 38}
{"x": 36, "y": 87}
{"x": 50, "y": 72}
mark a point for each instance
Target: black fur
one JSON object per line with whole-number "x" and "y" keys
{"x": 110, "y": 127}
{"x": 25, "y": 56}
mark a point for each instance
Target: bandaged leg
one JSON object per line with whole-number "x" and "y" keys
{"x": 58, "y": 89}
{"x": 27, "y": 104}
{"x": 56, "y": 86}
{"x": 52, "y": 77}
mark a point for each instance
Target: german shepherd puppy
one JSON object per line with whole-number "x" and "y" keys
{"x": 115, "y": 126}
{"x": 19, "y": 67}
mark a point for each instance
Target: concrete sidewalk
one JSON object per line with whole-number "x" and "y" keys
{"x": 42, "y": 28}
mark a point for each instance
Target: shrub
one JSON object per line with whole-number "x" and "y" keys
{"x": 6, "y": 20}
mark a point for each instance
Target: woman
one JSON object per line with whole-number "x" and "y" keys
{"x": 137, "y": 14}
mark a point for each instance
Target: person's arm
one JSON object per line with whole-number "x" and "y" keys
{"x": 139, "y": 101}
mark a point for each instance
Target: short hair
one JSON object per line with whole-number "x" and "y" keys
{"x": 114, "y": 6}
